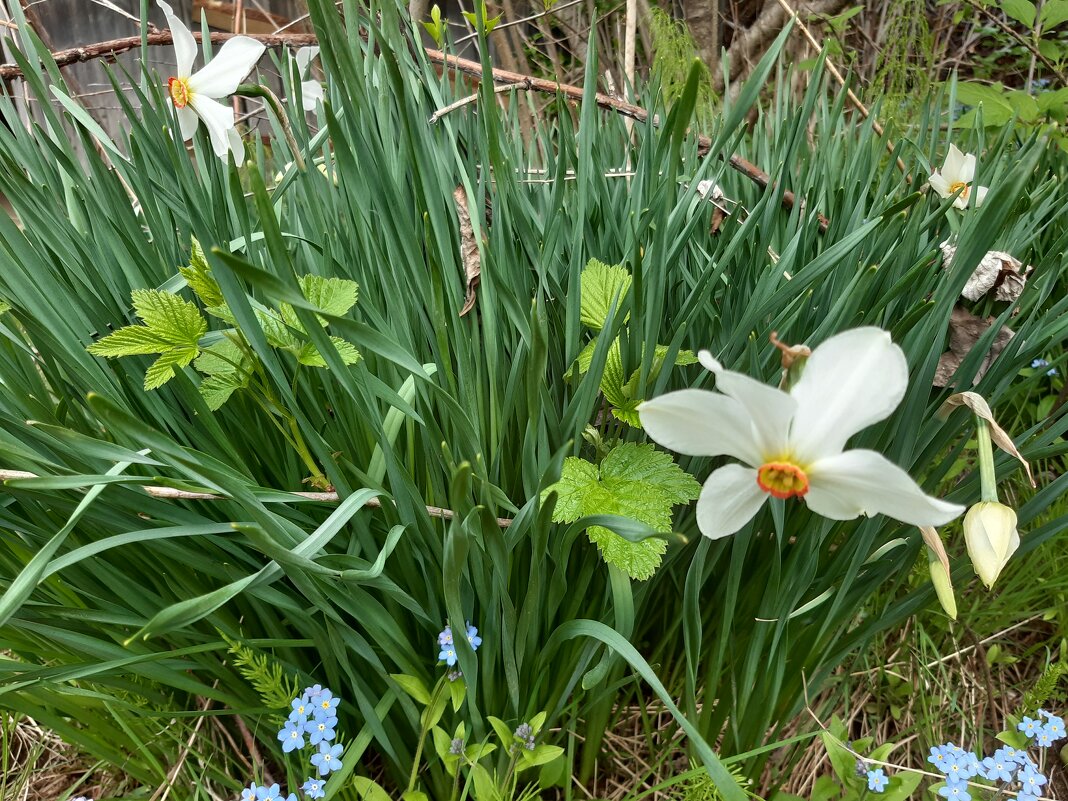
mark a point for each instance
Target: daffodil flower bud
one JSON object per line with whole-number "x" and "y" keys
{"x": 991, "y": 536}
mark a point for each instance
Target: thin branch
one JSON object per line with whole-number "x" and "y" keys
{"x": 1007, "y": 29}
{"x": 464, "y": 66}
{"x": 173, "y": 494}
{"x": 114, "y": 47}
{"x": 856, "y": 101}
{"x": 463, "y": 101}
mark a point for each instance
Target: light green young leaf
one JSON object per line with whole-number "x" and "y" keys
{"x": 227, "y": 370}
{"x": 309, "y": 355}
{"x": 1054, "y": 12}
{"x": 601, "y": 285}
{"x": 413, "y": 686}
{"x": 199, "y": 278}
{"x": 217, "y": 389}
{"x": 635, "y": 481}
{"x": 369, "y": 790}
{"x": 434, "y": 27}
{"x": 1020, "y": 10}
{"x": 333, "y": 295}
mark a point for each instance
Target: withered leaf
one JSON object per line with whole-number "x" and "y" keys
{"x": 964, "y": 331}
{"x": 469, "y": 254}
{"x": 977, "y": 403}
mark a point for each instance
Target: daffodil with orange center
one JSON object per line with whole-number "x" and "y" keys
{"x": 792, "y": 444}
{"x": 957, "y": 175}
{"x": 195, "y": 95}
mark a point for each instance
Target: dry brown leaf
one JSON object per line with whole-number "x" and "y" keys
{"x": 964, "y": 331}
{"x": 977, "y": 403}
{"x": 469, "y": 254}
{"x": 998, "y": 271}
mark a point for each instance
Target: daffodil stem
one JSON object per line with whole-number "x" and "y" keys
{"x": 256, "y": 90}
{"x": 988, "y": 488}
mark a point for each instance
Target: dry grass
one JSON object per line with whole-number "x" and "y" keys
{"x": 41, "y": 767}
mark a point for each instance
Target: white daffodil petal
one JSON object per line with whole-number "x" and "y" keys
{"x": 729, "y": 499}
{"x": 850, "y": 381}
{"x": 700, "y": 423}
{"x": 951, "y": 167}
{"x": 980, "y": 195}
{"x": 187, "y": 122}
{"x": 939, "y": 184}
{"x": 236, "y": 144}
{"x": 967, "y": 169}
{"x": 770, "y": 409}
{"x": 304, "y": 57}
{"x": 185, "y": 46}
{"x": 218, "y": 119}
{"x": 865, "y": 482}
{"x": 311, "y": 94}
{"x": 222, "y": 75}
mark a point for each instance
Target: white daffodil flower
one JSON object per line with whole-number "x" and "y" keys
{"x": 991, "y": 536}
{"x": 957, "y": 173}
{"x": 792, "y": 443}
{"x": 196, "y": 95}
{"x": 311, "y": 92}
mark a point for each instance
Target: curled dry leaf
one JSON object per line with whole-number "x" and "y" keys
{"x": 997, "y": 271}
{"x": 964, "y": 331}
{"x": 469, "y": 254}
{"x": 977, "y": 403}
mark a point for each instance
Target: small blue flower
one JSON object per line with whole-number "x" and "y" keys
{"x": 1054, "y": 726}
{"x": 997, "y": 769}
{"x": 1022, "y": 796}
{"x": 1009, "y": 754}
{"x": 1039, "y": 363}
{"x": 938, "y": 758}
{"x": 320, "y": 730}
{"x": 472, "y": 637}
{"x": 249, "y": 793}
{"x": 268, "y": 793}
{"x": 1029, "y": 727}
{"x": 313, "y": 788}
{"x": 311, "y": 693}
{"x": 1031, "y": 781}
{"x": 448, "y": 654}
{"x": 328, "y": 759}
{"x": 292, "y": 736}
{"x": 326, "y": 703}
{"x": 445, "y": 637}
{"x": 301, "y": 710}
{"x": 877, "y": 780}
{"x": 456, "y": 747}
{"x": 961, "y": 766}
{"x": 955, "y": 791}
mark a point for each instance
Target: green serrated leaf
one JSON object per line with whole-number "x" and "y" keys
{"x": 576, "y": 476}
{"x": 628, "y": 413}
{"x": 172, "y": 319}
{"x": 277, "y": 332}
{"x": 635, "y": 481}
{"x": 601, "y": 286}
{"x": 133, "y": 340}
{"x": 162, "y": 370}
{"x": 309, "y": 355}
{"x": 332, "y": 295}
{"x": 199, "y": 278}
{"x": 612, "y": 383}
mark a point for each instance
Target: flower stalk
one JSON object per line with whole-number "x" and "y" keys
{"x": 271, "y": 99}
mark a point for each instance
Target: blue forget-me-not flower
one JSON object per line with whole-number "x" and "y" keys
{"x": 328, "y": 759}
{"x": 877, "y": 780}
